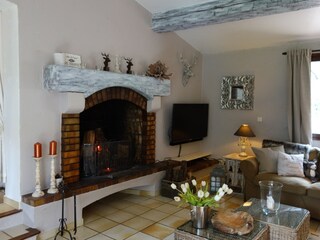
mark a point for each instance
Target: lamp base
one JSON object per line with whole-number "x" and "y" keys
{"x": 243, "y": 154}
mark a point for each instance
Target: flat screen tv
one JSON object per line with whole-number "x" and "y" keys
{"x": 189, "y": 123}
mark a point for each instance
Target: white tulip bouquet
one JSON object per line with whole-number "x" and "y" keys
{"x": 201, "y": 197}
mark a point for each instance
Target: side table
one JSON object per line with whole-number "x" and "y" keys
{"x": 234, "y": 177}
{"x": 290, "y": 223}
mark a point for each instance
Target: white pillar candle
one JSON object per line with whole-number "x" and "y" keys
{"x": 270, "y": 202}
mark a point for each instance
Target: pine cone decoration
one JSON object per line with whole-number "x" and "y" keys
{"x": 158, "y": 70}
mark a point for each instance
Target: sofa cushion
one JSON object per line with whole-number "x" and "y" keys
{"x": 314, "y": 190}
{"x": 296, "y": 185}
{"x": 310, "y": 170}
{"x": 267, "y": 158}
{"x": 289, "y": 147}
{"x": 290, "y": 164}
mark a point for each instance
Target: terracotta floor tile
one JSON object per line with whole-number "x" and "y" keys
{"x": 168, "y": 208}
{"x": 141, "y": 236}
{"x": 152, "y": 203}
{"x": 99, "y": 237}
{"x": 154, "y": 215}
{"x": 138, "y": 223}
{"x": 158, "y": 231}
{"x": 101, "y": 224}
{"x": 120, "y": 216}
{"x": 136, "y": 209}
{"x": 172, "y": 221}
{"x": 120, "y": 232}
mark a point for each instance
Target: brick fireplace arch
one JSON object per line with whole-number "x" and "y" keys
{"x": 70, "y": 130}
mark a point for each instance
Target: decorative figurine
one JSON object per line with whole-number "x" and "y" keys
{"x": 117, "y": 64}
{"x": 158, "y": 70}
{"x": 129, "y": 65}
{"x": 106, "y": 61}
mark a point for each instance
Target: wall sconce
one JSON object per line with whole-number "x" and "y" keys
{"x": 244, "y": 132}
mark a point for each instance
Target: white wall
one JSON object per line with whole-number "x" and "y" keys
{"x": 268, "y": 65}
{"x": 88, "y": 28}
{"x": 11, "y": 110}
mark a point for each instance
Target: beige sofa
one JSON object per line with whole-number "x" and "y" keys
{"x": 297, "y": 191}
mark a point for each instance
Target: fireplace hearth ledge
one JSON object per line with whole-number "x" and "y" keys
{"x": 46, "y": 217}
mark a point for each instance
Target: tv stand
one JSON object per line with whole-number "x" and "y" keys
{"x": 198, "y": 165}
{"x": 192, "y": 156}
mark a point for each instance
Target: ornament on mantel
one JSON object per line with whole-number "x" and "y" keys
{"x": 158, "y": 70}
{"x": 117, "y": 64}
{"x": 106, "y": 61}
{"x": 187, "y": 69}
{"x": 129, "y": 65}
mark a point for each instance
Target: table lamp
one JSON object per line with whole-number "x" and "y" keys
{"x": 244, "y": 132}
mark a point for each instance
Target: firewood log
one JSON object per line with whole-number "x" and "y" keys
{"x": 231, "y": 222}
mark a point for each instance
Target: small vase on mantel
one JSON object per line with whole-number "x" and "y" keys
{"x": 199, "y": 216}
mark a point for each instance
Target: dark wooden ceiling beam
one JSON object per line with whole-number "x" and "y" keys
{"x": 217, "y": 11}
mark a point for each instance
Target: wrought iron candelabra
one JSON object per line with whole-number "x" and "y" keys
{"x": 63, "y": 221}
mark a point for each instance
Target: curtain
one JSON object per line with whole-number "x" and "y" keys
{"x": 2, "y": 163}
{"x": 299, "y": 111}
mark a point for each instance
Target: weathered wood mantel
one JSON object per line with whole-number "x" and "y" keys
{"x": 88, "y": 81}
{"x": 215, "y": 12}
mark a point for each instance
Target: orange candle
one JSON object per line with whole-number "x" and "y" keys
{"x": 37, "y": 150}
{"x": 53, "y": 148}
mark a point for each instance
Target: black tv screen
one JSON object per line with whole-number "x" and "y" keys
{"x": 189, "y": 123}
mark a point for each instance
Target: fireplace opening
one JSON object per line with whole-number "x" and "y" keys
{"x": 111, "y": 137}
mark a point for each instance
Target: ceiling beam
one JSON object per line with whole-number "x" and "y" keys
{"x": 216, "y": 11}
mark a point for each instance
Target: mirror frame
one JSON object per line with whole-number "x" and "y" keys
{"x": 245, "y": 82}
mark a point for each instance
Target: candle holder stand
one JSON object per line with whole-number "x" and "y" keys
{"x": 53, "y": 189}
{"x": 37, "y": 192}
{"x": 63, "y": 221}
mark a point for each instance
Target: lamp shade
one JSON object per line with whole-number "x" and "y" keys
{"x": 244, "y": 131}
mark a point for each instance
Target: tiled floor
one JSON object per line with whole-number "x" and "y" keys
{"x": 132, "y": 217}
{"x": 125, "y": 216}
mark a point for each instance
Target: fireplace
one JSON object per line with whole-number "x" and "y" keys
{"x": 114, "y": 132}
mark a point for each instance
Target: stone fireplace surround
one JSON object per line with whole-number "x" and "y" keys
{"x": 97, "y": 86}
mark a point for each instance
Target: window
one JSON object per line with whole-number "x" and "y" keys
{"x": 315, "y": 96}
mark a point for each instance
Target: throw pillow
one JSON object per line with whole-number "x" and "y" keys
{"x": 268, "y": 158}
{"x": 290, "y": 165}
{"x": 310, "y": 170}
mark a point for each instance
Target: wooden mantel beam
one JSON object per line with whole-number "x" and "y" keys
{"x": 217, "y": 11}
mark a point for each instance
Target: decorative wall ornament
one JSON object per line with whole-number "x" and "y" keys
{"x": 158, "y": 70}
{"x": 237, "y": 92}
{"x": 187, "y": 69}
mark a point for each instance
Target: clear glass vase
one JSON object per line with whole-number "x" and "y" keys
{"x": 270, "y": 195}
{"x": 199, "y": 216}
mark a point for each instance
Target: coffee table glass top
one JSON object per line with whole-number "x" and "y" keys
{"x": 211, "y": 233}
{"x": 287, "y": 216}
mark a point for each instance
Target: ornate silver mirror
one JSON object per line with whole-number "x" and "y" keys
{"x": 237, "y": 92}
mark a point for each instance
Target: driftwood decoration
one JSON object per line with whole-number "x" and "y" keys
{"x": 158, "y": 70}
{"x": 231, "y": 222}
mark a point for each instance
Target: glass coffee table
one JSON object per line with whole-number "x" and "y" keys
{"x": 289, "y": 223}
{"x": 188, "y": 232}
